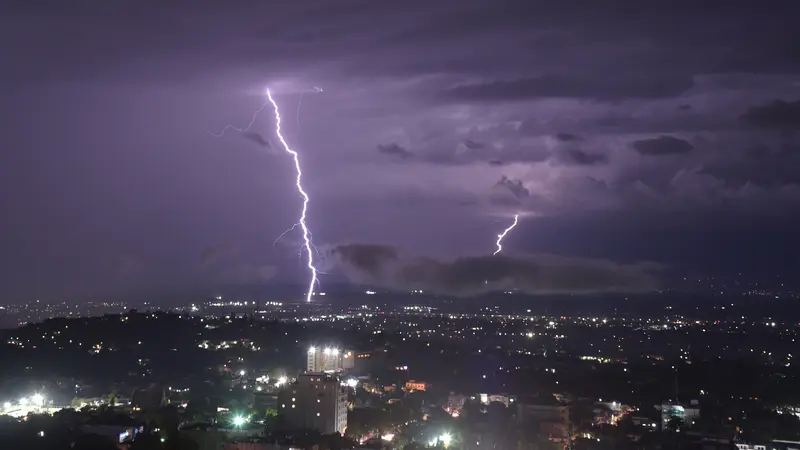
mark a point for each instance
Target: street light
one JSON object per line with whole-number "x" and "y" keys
{"x": 238, "y": 421}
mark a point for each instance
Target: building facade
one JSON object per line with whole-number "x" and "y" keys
{"x": 552, "y": 421}
{"x": 329, "y": 359}
{"x": 316, "y": 401}
{"x": 413, "y": 386}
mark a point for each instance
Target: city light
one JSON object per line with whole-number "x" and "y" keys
{"x": 312, "y": 350}
{"x": 23, "y": 401}
{"x": 444, "y": 439}
{"x": 239, "y": 421}
{"x": 242, "y": 372}
{"x": 281, "y": 381}
{"x": 388, "y": 437}
{"x": 37, "y": 399}
{"x": 6, "y": 405}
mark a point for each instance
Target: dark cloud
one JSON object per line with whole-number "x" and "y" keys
{"x": 760, "y": 165}
{"x": 684, "y": 108}
{"x": 662, "y": 145}
{"x": 472, "y": 145}
{"x": 596, "y": 87}
{"x": 394, "y": 149}
{"x": 779, "y": 114}
{"x": 257, "y": 138}
{"x": 533, "y": 274}
{"x": 580, "y": 158}
{"x": 567, "y": 137}
{"x": 457, "y": 153}
{"x": 515, "y": 187}
{"x": 369, "y": 258}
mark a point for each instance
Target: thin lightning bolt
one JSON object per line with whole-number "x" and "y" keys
{"x": 241, "y": 130}
{"x": 315, "y": 89}
{"x": 285, "y": 233}
{"x": 503, "y": 234}
{"x": 298, "y": 182}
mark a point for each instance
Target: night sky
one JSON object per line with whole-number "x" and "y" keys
{"x": 632, "y": 137}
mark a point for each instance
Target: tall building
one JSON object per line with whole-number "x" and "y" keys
{"x": 316, "y": 401}
{"x": 329, "y": 359}
{"x": 151, "y": 397}
{"x": 552, "y": 420}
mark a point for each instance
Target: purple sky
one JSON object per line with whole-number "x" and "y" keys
{"x": 622, "y": 132}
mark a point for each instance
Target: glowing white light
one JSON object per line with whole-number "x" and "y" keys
{"x": 23, "y": 401}
{"x": 37, "y": 399}
{"x": 242, "y": 372}
{"x": 445, "y": 438}
{"x": 335, "y": 351}
{"x": 6, "y": 405}
{"x": 388, "y": 437}
{"x": 281, "y": 381}
{"x": 298, "y": 182}
{"x": 327, "y": 351}
{"x": 352, "y": 382}
{"x": 503, "y": 234}
{"x": 239, "y": 421}
{"x": 312, "y": 350}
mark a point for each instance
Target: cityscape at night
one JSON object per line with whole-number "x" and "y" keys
{"x": 400, "y": 225}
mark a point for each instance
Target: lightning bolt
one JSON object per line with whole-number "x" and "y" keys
{"x": 298, "y": 183}
{"x": 245, "y": 129}
{"x": 503, "y": 234}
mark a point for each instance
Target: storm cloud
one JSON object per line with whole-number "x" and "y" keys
{"x": 593, "y": 88}
{"x": 394, "y": 150}
{"x": 384, "y": 266}
{"x": 662, "y": 145}
{"x": 580, "y": 110}
{"x": 776, "y": 115}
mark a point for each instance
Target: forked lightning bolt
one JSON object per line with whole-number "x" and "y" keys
{"x": 302, "y": 222}
{"x": 503, "y": 234}
{"x": 298, "y": 182}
